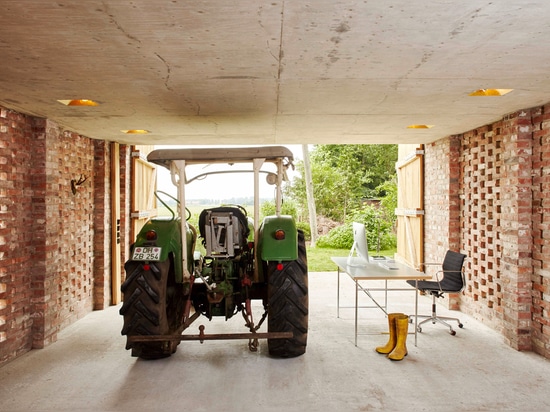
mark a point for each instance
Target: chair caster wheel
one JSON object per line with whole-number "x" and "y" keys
{"x": 452, "y": 333}
{"x": 460, "y": 325}
{"x": 419, "y": 329}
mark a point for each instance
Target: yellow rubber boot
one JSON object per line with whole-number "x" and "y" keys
{"x": 393, "y": 335}
{"x": 402, "y": 329}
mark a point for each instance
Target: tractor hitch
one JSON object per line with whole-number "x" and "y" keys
{"x": 215, "y": 336}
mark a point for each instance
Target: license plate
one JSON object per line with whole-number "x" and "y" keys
{"x": 146, "y": 253}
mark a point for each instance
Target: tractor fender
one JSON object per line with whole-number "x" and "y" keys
{"x": 169, "y": 240}
{"x": 273, "y": 249}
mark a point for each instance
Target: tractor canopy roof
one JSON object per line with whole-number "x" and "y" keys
{"x": 164, "y": 157}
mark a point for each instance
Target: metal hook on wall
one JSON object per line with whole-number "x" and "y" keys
{"x": 75, "y": 183}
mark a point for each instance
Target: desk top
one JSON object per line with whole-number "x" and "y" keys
{"x": 359, "y": 270}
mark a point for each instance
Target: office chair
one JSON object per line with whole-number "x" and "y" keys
{"x": 452, "y": 281}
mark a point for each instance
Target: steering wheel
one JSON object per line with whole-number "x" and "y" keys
{"x": 188, "y": 212}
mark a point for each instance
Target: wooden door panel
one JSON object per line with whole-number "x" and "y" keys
{"x": 410, "y": 204}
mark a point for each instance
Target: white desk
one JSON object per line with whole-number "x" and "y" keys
{"x": 372, "y": 270}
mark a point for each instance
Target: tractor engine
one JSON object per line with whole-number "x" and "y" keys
{"x": 225, "y": 267}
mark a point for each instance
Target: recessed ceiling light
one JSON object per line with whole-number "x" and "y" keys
{"x": 490, "y": 92}
{"x": 135, "y": 131}
{"x": 420, "y": 126}
{"x": 78, "y": 102}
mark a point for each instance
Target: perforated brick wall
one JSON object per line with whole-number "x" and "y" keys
{"x": 540, "y": 257}
{"x": 62, "y": 273}
{"x": 503, "y": 214}
{"x": 480, "y": 217}
{"x": 18, "y": 213}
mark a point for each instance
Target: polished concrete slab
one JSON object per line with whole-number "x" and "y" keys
{"x": 89, "y": 370}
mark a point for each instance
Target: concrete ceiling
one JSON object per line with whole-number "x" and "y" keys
{"x": 273, "y": 72}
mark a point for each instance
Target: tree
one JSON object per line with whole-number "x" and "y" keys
{"x": 388, "y": 203}
{"x": 343, "y": 177}
{"x": 365, "y": 167}
{"x": 328, "y": 185}
{"x": 312, "y": 210}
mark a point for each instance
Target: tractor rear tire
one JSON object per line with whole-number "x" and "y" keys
{"x": 153, "y": 305}
{"x": 288, "y": 304}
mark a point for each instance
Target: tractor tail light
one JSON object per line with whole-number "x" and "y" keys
{"x": 151, "y": 235}
{"x": 279, "y": 266}
{"x": 279, "y": 234}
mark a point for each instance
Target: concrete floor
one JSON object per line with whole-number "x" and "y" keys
{"x": 89, "y": 370}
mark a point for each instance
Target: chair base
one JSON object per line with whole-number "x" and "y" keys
{"x": 438, "y": 319}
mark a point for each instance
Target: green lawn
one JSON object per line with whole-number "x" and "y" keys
{"x": 318, "y": 259}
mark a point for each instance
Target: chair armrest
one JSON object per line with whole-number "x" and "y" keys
{"x": 424, "y": 264}
{"x": 453, "y": 271}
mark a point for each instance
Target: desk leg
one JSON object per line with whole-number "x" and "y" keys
{"x": 338, "y": 295}
{"x": 415, "y": 311}
{"x": 356, "y": 308}
{"x": 386, "y": 297}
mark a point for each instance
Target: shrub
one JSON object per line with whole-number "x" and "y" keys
{"x": 267, "y": 208}
{"x": 306, "y": 228}
{"x": 376, "y": 227}
{"x": 340, "y": 237}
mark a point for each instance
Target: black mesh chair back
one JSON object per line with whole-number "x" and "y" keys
{"x": 450, "y": 279}
{"x": 453, "y": 280}
{"x": 450, "y": 276}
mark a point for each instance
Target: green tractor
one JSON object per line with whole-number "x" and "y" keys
{"x": 170, "y": 283}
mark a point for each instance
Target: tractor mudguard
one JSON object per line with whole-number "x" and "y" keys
{"x": 169, "y": 240}
{"x": 278, "y": 250}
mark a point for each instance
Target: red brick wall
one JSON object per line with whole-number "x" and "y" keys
{"x": 441, "y": 197}
{"x": 540, "y": 257}
{"x": 69, "y": 226}
{"x": 17, "y": 247}
{"x": 504, "y": 171}
{"x": 102, "y": 225}
{"x": 441, "y": 227}
{"x": 50, "y": 238}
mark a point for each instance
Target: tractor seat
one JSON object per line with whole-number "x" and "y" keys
{"x": 224, "y": 231}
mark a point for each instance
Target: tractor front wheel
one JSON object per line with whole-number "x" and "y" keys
{"x": 288, "y": 303}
